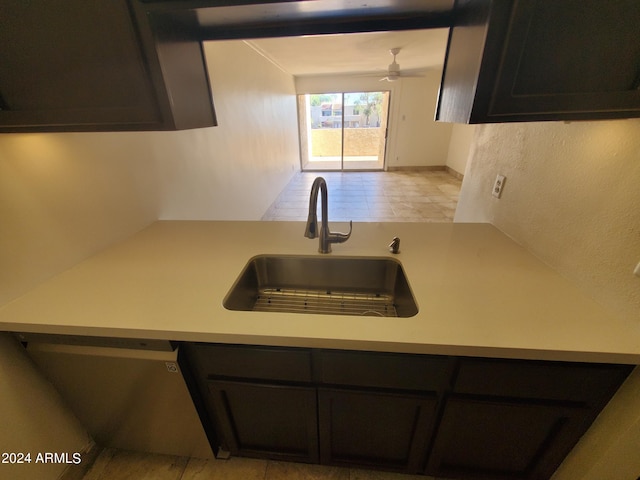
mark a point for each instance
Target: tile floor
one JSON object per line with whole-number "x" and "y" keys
{"x": 123, "y": 465}
{"x": 424, "y": 196}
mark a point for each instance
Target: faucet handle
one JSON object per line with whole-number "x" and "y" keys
{"x": 337, "y": 237}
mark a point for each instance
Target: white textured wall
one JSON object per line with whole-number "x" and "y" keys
{"x": 571, "y": 197}
{"x": 460, "y": 147}
{"x": 418, "y": 139}
{"x": 237, "y": 169}
{"x": 414, "y": 138}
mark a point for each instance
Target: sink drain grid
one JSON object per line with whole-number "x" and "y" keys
{"x": 324, "y": 302}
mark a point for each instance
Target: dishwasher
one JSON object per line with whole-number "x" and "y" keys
{"x": 128, "y": 393}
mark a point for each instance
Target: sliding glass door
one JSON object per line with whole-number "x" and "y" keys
{"x": 343, "y": 131}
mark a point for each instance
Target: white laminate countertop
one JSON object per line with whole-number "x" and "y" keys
{"x": 478, "y": 292}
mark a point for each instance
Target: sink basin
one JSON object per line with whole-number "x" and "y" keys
{"x": 323, "y": 285}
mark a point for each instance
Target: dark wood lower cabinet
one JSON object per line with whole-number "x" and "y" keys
{"x": 267, "y": 420}
{"x": 501, "y": 439}
{"x": 448, "y": 417}
{"x": 382, "y": 430}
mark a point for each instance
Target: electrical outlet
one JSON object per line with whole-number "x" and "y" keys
{"x": 172, "y": 367}
{"x": 498, "y": 186}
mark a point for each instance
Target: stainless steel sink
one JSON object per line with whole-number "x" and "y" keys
{"x": 324, "y": 285}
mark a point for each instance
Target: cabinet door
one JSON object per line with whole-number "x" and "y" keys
{"x": 72, "y": 65}
{"x": 266, "y": 420}
{"x": 488, "y": 438}
{"x": 572, "y": 56}
{"x": 515, "y": 60}
{"x": 371, "y": 429}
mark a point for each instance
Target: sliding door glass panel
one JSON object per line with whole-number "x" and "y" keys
{"x": 365, "y": 127}
{"x": 343, "y": 131}
{"x": 320, "y": 131}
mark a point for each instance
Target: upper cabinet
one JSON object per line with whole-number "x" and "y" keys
{"x": 74, "y": 65}
{"x": 532, "y": 60}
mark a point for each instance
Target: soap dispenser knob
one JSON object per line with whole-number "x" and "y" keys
{"x": 394, "y": 246}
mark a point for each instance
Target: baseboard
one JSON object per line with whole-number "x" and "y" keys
{"x": 417, "y": 168}
{"x": 451, "y": 171}
{"x": 427, "y": 168}
{"x": 88, "y": 456}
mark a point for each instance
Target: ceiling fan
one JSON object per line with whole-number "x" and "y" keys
{"x": 393, "y": 71}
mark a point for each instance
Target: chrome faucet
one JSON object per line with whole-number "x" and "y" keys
{"x": 326, "y": 237}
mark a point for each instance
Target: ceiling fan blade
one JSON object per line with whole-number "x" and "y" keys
{"x": 414, "y": 72}
{"x": 369, "y": 74}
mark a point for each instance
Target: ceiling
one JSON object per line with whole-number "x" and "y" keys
{"x": 355, "y": 52}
